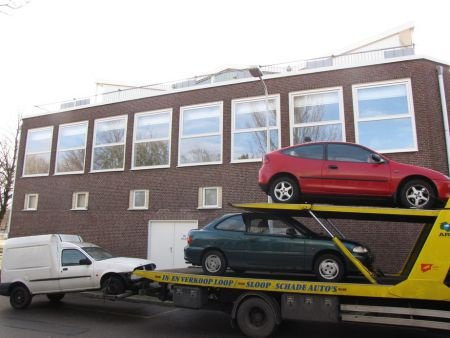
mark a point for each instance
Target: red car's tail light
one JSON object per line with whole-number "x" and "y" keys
{"x": 266, "y": 159}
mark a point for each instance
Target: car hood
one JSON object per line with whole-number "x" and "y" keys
{"x": 126, "y": 264}
{"x": 349, "y": 244}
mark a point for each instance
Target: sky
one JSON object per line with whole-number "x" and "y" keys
{"x": 53, "y": 50}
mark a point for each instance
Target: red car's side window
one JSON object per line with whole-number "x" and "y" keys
{"x": 347, "y": 153}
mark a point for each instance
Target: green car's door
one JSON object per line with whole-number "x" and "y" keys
{"x": 272, "y": 246}
{"x": 231, "y": 240}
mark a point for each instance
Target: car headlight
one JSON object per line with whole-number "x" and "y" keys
{"x": 360, "y": 250}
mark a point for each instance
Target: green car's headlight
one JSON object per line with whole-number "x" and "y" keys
{"x": 360, "y": 250}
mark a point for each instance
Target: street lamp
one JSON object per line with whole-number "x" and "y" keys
{"x": 256, "y": 72}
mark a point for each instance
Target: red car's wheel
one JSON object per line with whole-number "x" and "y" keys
{"x": 417, "y": 194}
{"x": 284, "y": 190}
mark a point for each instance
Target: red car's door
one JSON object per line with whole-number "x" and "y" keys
{"x": 351, "y": 170}
{"x": 305, "y": 162}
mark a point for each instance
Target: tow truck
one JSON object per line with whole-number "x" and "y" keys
{"x": 418, "y": 296}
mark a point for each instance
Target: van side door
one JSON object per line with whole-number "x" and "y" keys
{"x": 76, "y": 271}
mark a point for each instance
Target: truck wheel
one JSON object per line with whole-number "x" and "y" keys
{"x": 113, "y": 285}
{"x": 329, "y": 268}
{"x": 55, "y": 297}
{"x": 284, "y": 190}
{"x": 20, "y": 297}
{"x": 214, "y": 263}
{"x": 256, "y": 318}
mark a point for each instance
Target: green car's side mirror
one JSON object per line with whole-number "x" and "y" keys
{"x": 291, "y": 232}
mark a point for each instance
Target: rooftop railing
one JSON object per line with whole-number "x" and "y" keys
{"x": 132, "y": 93}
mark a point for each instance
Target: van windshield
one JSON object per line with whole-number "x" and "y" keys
{"x": 98, "y": 253}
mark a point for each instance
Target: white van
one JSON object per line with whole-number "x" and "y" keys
{"x": 55, "y": 264}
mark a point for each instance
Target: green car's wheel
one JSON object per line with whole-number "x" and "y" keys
{"x": 214, "y": 263}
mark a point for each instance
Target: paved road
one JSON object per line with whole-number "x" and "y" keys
{"x": 79, "y": 316}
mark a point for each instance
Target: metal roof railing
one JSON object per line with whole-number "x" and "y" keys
{"x": 227, "y": 75}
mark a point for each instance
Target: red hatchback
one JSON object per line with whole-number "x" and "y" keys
{"x": 339, "y": 169}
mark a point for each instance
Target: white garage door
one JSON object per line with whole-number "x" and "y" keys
{"x": 166, "y": 242}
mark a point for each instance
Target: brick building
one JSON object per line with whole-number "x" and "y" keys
{"x": 136, "y": 170}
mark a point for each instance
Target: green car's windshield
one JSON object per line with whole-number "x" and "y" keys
{"x": 98, "y": 253}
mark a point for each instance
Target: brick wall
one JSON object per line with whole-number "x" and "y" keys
{"x": 173, "y": 191}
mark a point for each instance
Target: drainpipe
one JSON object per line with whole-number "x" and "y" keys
{"x": 440, "y": 71}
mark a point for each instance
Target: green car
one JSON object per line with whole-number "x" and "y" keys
{"x": 269, "y": 242}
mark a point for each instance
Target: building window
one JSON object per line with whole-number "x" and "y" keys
{"x": 384, "y": 116}
{"x": 31, "y": 202}
{"x": 71, "y": 149}
{"x": 80, "y": 200}
{"x": 138, "y": 199}
{"x": 317, "y": 115}
{"x": 210, "y": 197}
{"x": 37, "y": 152}
{"x": 109, "y": 144}
{"x": 250, "y": 129}
{"x": 151, "y": 148}
{"x": 201, "y": 135}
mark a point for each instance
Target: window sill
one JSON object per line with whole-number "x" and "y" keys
{"x": 79, "y": 209}
{"x": 209, "y": 208}
{"x": 106, "y": 171}
{"x": 137, "y": 209}
{"x": 69, "y": 173}
{"x": 29, "y": 209}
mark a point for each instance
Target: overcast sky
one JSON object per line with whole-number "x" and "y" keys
{"x": 53, "y": 50}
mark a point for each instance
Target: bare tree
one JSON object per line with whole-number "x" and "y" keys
{"x": 8, "y": 157}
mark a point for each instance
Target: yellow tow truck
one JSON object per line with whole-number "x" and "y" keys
{"x": 418, "y": 296}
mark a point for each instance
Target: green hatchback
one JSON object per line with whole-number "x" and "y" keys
{"x": 269, "y": 242}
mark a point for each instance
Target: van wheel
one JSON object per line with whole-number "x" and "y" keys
{"x": 256, "y": 318}
{"x": 55, "y": 297}
{"x": 113, "y": 285}
{"x": 20, "y": 297}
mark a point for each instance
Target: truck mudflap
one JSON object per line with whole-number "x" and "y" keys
{"x": 5, "y": 289}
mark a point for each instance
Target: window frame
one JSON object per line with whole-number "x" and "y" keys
{"x": 75, "y": 200}
{"x": 202, "y": 198}
{"x": 220, "y": 133}
{"x": 410, "y": 115}
{"x": 292, "y": 125}
{"x": 26, "y": 206}
{"x": 94, "y": 146}
{"x": 132, "y": 200}
{"x": 37, "y": 153}
{"x": 86, "y": 122}
{"x": 234, "y": 103}
{"x": 169, "y": 138}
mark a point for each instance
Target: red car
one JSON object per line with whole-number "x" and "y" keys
{"x": 339, "y": 169}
